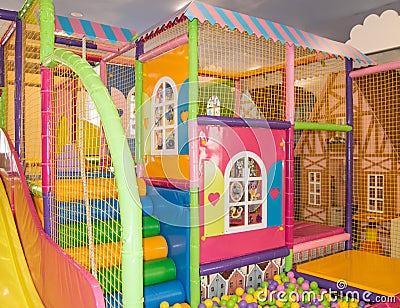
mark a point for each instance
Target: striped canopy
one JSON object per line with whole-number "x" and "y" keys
{"x": 261, "y": 28}
{"x": 93, "y": 30}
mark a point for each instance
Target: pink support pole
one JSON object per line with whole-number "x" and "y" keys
{"x": 47, "y": 142}
{"x": 176, "y": 42}
{"x": 375, "y": 69}
{"x": 290, "y": 101}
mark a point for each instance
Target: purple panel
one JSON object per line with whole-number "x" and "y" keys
{"x": 1, "y": 66}
{"x": 8, "y": 15}
{"x": 75, "y": 43}
{"x": 18, "y": 86}
{"x": 242, "y": 122}
{"x": 220, "y": 266}
{"x": 349, "y": 153}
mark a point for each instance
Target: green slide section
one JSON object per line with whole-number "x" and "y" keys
{"x": 104, "y": 231}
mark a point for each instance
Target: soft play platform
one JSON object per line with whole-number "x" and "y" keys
{"x": 360, "y": 269}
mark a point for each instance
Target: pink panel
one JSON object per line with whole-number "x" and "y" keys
{"x": 219, "y": 144}
{"x": 229, "y": 246}
{"x": 59, "y": 280}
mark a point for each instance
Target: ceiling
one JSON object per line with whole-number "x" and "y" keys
{"x": 333, "y": 19}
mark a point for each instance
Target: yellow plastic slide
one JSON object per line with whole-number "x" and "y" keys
{"x": 16, "y": 286}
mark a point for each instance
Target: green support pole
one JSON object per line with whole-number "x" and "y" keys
{"x": 193, "y": 158}
{"x": 289, "y": 261}
{"x": 139, "y": 112}
{"x": 322, "y": 126}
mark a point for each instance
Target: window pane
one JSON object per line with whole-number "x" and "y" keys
{"x": 318, "y": 176}
{"x": 237, "y": 169}
{"x": 371, "y": 180}
{"x": 254, "y": 189}
{"x": 255, "y": 214}
{"x": 170, "y": 141}
{"x": 317, "y": 199}
{"x": 379, "y": 205}
{"x": 158, "y": 140}
{"x": 379, "y": 193}
{"x": 236, "y": 216}
{"x": 254, "y": 168}
{"x": 236, "y": 192}
{"x": 379, "y": 180}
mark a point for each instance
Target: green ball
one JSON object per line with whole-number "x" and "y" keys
{"x": 250, "y": 291}
{"x": 325, "y": 303}
{"x": 300, "y": 290}
{"x": 300, "y": 280}
{"x": 313, "y": 285}
{"x": 223, "y": 302}
{"x": 283, "y": 274}
{"x": 285, "y": 279}
{"x": 287, "y": 305}
{"x": 230, "y": 304}
{"x": 313, "y": 306}
{"x": 234, "y": 298}
{"x": 265, "y": 285}
{"x": 291, "y": 286}
{"x": 262, "y": 303}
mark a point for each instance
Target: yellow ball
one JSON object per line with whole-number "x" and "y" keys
{"x": 294, "y": 305}
{"x": 248, "y": 298}
{"x": 178, "y": 306}
{"x": 164, "y": 305}
{"x": 353, "y": 305}
{"x": 239, "y": 291}
{"x": 216, "y": 299}
{"x": 225, "y": 297}
{"x": 208, "y": 303}
{"x": 277, "y": 278}
{"x": 279, "y": 303}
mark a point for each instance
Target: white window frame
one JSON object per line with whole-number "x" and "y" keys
{"x": 375, "y": 188}
{"x": 312, "y": 188}
{"x": 246, "y": 178}
{"x": 164, "y": 127}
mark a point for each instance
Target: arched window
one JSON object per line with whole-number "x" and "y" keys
{"x": 245, "y": 198}
{"x": 164, "y": 119}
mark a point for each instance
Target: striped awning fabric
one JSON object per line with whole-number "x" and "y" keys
{"x": 95, "y": 31}
{"x": 261, "y": 28}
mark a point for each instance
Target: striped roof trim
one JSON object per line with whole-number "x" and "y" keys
{"x": 261, "y": 28}
{"x": 93, "y": 30}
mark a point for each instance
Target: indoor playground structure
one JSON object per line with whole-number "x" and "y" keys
{"x": 216, "y": 159}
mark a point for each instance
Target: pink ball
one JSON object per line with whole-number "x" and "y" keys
{"x": 321, "y": 306}
{"x": 290, "y": 275}
{"x": 280, "y": 288}
{"x": 293, "y": 280}
{"x": 305, "y": 286}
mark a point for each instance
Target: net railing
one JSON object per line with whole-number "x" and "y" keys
{"x": 376, "y": 198}
{"x": 85, "y": 215}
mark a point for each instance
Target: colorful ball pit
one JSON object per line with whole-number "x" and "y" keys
{"x": 283, "y": 291}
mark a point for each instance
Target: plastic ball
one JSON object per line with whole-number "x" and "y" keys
{"x": 294, "y": 305}
{"x": 361, "y": 304}
{"x": 235, "y": 298}
{"x": 250, "y": 291}
{"x": 208, "y": 303}
{"x": 305, "y": 286}
{"x": 230, "y": 304}
{"x": 178, "y": 306}
{"x": 201, "y": 306}
{"x": 277, "y": 277}
{"x": 285, "y": 279}
{"x": 223, "y": 302}
{"x": 283, "y": 274}
{"x": 215, "y": 304}
{"x": 279, "y": 303}
{"x": 239, "y": 291}
{"x": 293, "y": 280}
{"x": 280, "y": 288}
{"x": 165, "y": 305}
{"x": 264, "y": 284}
{"x": 313, "y": 285}
{"x": 249, "y": 298}
{"x": 300, "y": 280}
{"x": 353, "y": 305}
{"x": 242, "y": 304}
{"x": 216, "y": 299}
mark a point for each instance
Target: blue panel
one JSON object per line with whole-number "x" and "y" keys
{"x": 274, "y": 193}
{"x": 65, "y": 25}
{"x": 171, "y": 207}
{"x": 87, "y": 27}
{"x": 183, "y": 106}
{"x": 109, "y": 33}
{"x": 171, "y": 292}
{"x": 147, "y": 205}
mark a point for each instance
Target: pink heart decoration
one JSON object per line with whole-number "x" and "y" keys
{"x": 274, "y": 193}
{"x": 213, "y": 198}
